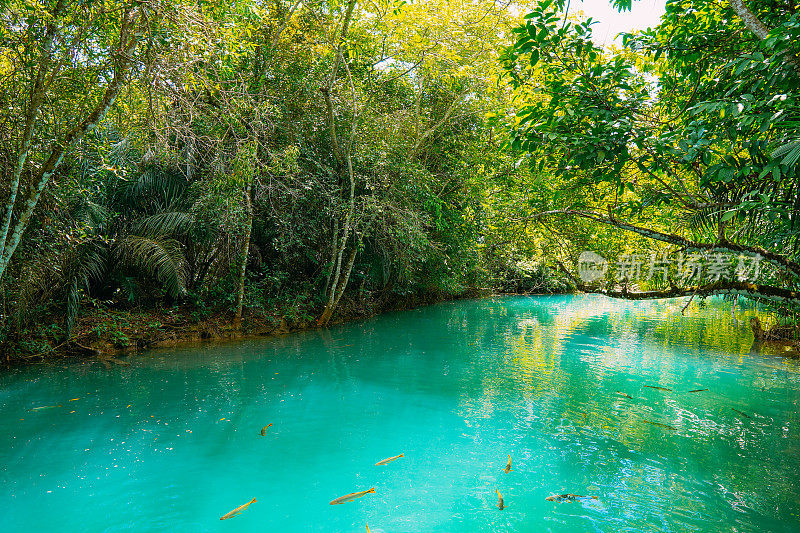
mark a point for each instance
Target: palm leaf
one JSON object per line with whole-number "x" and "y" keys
{"x": 789, "y": 151}
{"x": 165, "y": 223}
{"x": 86, "y": 264}
{"x": 157, "y": 257}
{"x": 91, "y": 215}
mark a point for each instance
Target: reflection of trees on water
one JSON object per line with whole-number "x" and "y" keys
{"x": 568, "y": 362}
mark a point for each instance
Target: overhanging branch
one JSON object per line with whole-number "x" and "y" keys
{"x": 724, "y": 246}
{"x": 741, "y": 288}
{"x": 750, "y": 290}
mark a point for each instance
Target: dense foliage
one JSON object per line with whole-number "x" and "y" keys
{"x": 243, "y": 156}
{"x": 686, "y": 136}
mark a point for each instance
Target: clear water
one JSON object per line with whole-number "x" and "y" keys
{"x": 172, "y": 442}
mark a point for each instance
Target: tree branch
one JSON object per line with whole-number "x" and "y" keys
{"x": 750, "y": 290}
{"x": 776, "y": 259}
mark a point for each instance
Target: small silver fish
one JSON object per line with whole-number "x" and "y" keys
{"x": 741, "y": 413}
{"x": 659, "y": 388}
{"x": 237, "y": 510}
{"x": 388, "y": 460}
{"x": 625, "y": 394}
{"x": 698, "y": 390}
{"x": 350, "y": 497}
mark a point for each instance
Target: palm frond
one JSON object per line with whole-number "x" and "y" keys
{"x": 789, "y": 151}
{"x": 157, "y": 257}
{"x": 91, "y": 215}
{"x": 172, "y": 223}
{"x": 87, "y": 263}
{"x": 155, "y": 189}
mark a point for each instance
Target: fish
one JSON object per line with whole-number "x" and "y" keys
{"x": 741, "y": 413}
{"x": 625, "y": 394}
{"x": 388, "y": 460}
{"x": 500, "y": 503}
{"x": 659, "y": 424}
{"x": 350, "y": 497}
{"x": 44, "y": 407}
{"x": 698, "y": 390}
{"x": 507, "y": 469}
{"x": 568, "y": 497}
{"x": 367, "y": 528}
{"x": 264, "y": 430}
{"x": 659, "y": 388}
{"x": 237, "y": 510}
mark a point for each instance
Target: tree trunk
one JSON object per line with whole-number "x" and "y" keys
{"x": 334, "y": 252}
{"x": 248, "y": 206}
{"x": 342, "y": 157}
{"x": 338, "y": 290}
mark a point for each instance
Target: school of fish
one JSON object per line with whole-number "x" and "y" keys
{"x": 507, "y": 469}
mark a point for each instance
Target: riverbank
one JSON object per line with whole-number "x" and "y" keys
{"x": 105, "y": 333}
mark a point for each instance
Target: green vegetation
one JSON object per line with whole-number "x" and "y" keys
{"x": 688, "y": 136}
{"x": 228, "y": 164}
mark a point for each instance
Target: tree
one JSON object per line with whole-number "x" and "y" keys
{"x": 63, "y": 99}
{"x": 685, "y": 137}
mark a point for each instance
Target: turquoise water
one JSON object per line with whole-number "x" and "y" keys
{"x": 172, "y": 442}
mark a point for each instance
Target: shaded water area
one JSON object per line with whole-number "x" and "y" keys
{"x": 172, "y": 442}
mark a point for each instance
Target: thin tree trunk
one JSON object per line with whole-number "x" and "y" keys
{"x": 348, "y": 269}
{"x": 341, "y": 160}
{"x": 237, "y": 320}
{"x": 333, "y": 299}
{"x": 338, "y": 289}
{"x": 334, "y": 251}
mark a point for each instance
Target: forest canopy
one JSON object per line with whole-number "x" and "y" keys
{"x": 257, "y": 160}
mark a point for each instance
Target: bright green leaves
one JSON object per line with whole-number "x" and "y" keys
{"x": 697, "y": 114}
{"x": 577, "y": 103}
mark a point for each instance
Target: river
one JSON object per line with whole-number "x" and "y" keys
{"x": 172, "y": 442}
